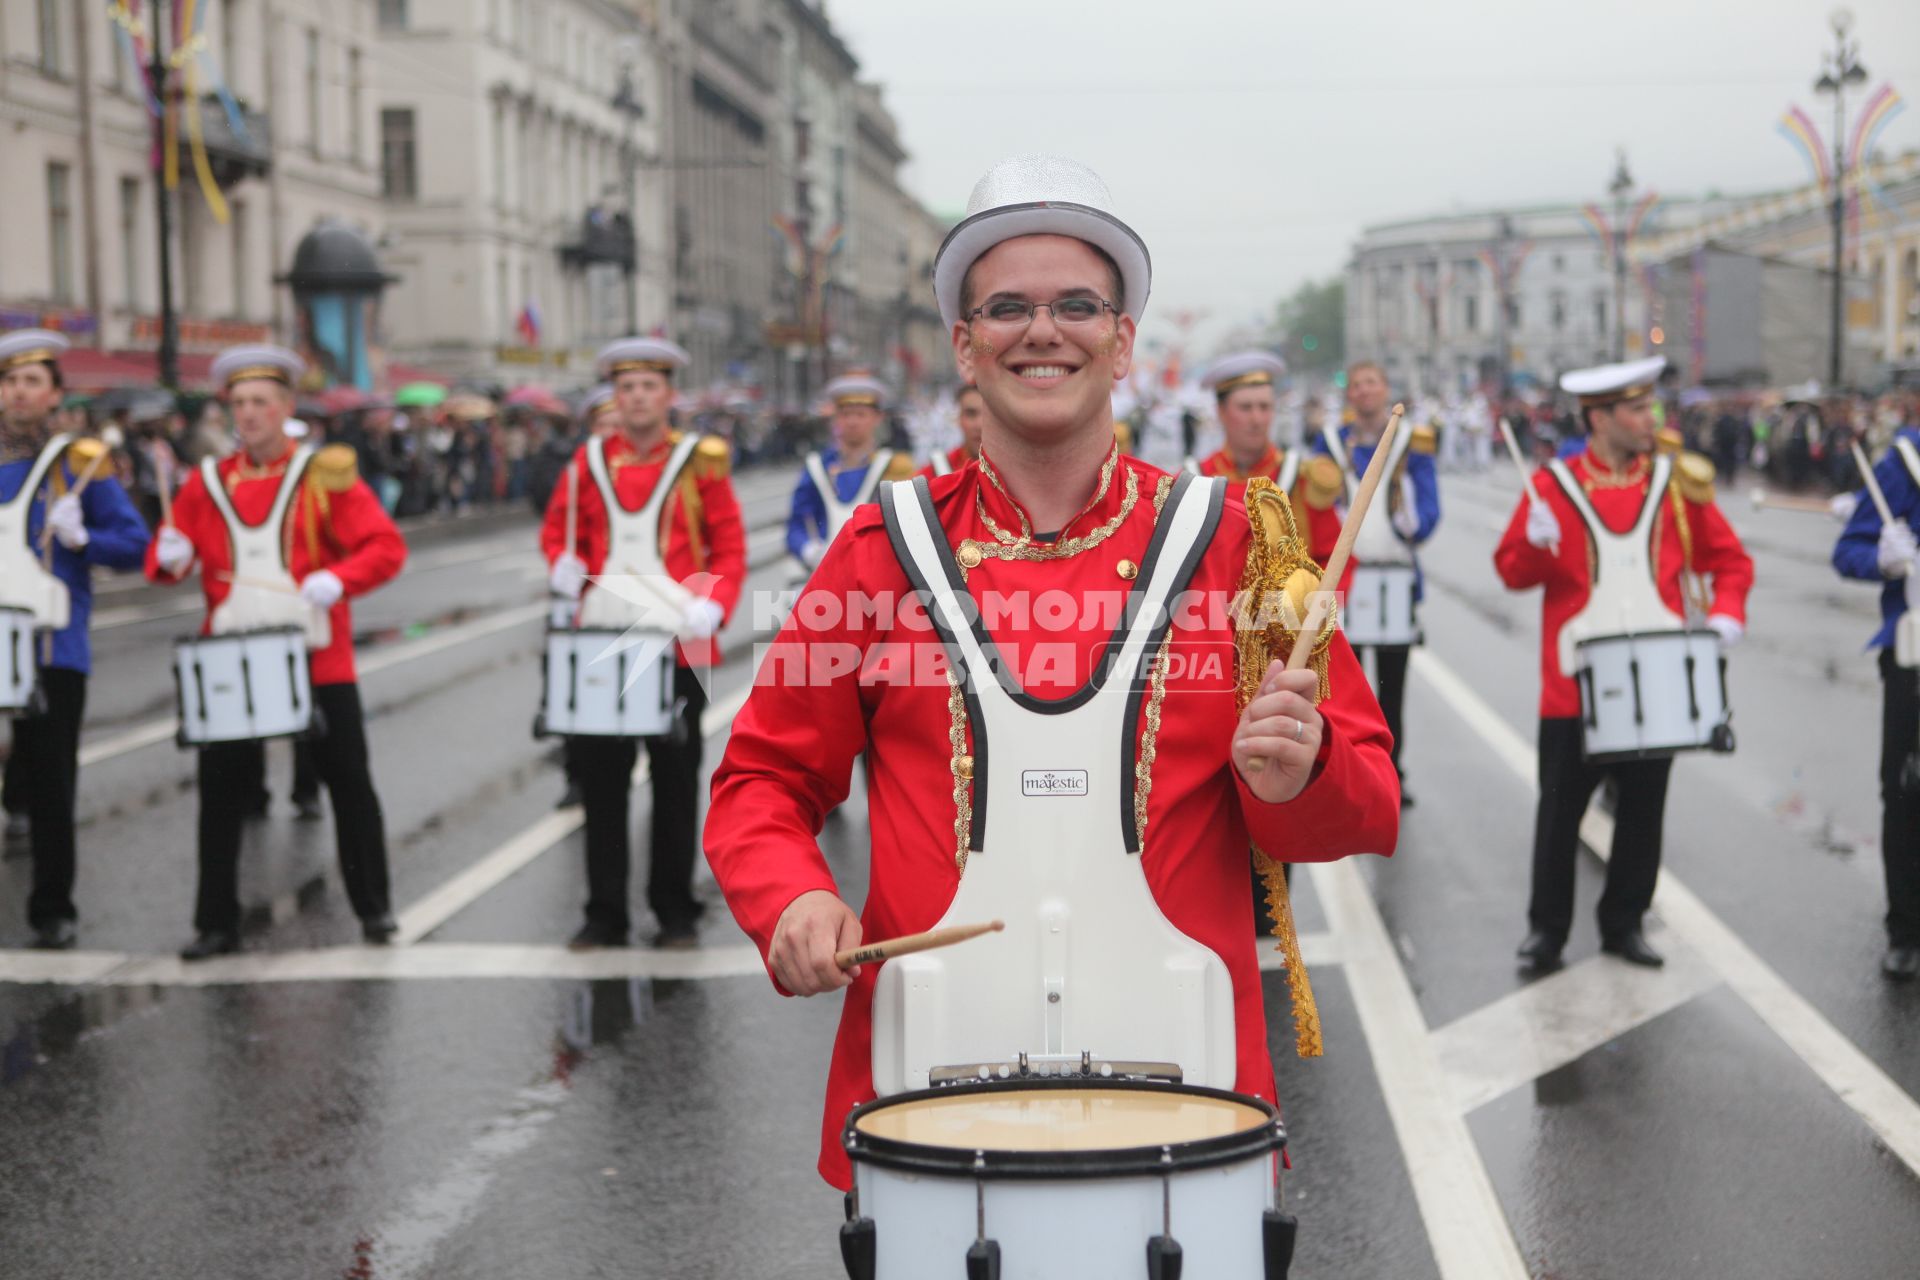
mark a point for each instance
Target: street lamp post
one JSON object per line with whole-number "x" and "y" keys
{"x": 627, "y": 102}
{"x": 1619, "y": 189}
{"x": 168, "y": 355}
{"x": 1842, "y": 69}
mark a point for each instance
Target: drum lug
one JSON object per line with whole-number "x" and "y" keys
{"x": 1164, "y": 1258}
{"x": 859, "y": 1248}
{"x": 983, "y": 1260}
{"x": 1277, "y": 1235}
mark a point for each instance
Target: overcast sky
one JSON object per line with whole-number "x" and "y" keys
{"x": 1248, "y": 140}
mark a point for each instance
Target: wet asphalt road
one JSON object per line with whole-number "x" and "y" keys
{"x": 482, "y": 1104}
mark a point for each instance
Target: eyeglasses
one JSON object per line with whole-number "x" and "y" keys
{"x": 1018, "y": 313}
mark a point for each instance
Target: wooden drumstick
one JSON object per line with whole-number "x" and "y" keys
{"x": 258, "y": 584}
{"x": 80, "y": 484}
{"x": 1519, "y": 461}
{"x": 1316, "y": 618}
{"x": 573, "y": 510}
{"x": 907, "y": 944}
{"x": 163, "y": 468}
{"x": 1873, "y": 484}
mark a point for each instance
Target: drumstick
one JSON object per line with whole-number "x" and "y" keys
{"x": 907, "y": 944}
{"x": 163, "y": 466}
{"x": 573, "y": 510}
{"x": 79, "y": 487}
{"x": 1782, "y": 502}
{"x": 1337, "y": 562}
{"x": 1513, "y": 450}
{"x": 1873, "y": 484}
{"x": 258, "y": 584}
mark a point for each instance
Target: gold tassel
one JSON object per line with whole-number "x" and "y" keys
{"x": 1275, "y": 554}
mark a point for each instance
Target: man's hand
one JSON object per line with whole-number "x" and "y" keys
{"x": 68, "y": 523}
{"x": 1896, "y": 550}
{"x": 1282, "y": 726}
{"x": 814, "y": 926}
{"x": 1730, "y": 630}
{"x": 175, "y": 552}
{"x": 702, "y": 619}
{"x": 568, "y": 577}
{"x": 322, "y": 589}
{"x": 1543, "y": 527}
{"x": 811, "y": 551}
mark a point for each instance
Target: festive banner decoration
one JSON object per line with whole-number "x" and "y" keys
{"x": 191, "y": 62}
{"x": 1798, "y": 128}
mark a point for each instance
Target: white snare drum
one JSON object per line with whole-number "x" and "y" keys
{"x": 1906, "y": 638}
{"x": 17, "y": 660}
{"x": 627, "y": 693}
{"x": 243, "y": 686}
{"x": 1065, "y": 1177}
{"x": 1379, "y": 606}
{"x": 1654, "y": 694}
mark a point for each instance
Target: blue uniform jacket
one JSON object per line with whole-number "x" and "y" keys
{"x": 1857, "y": 554}
{"x": 808, "y": 519}
{"x": 1425, "y": 476}
{"x": 117, "y": 539}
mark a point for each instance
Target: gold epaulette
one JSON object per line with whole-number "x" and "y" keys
{"x": 1124, "y": 434}
{"x": 1693, "y": 475}
{"x": 1422, "y": 439}
{"x": 334, "y": 469}
{"x": 1669, "y": 440}
{"x": 1324, "y": 483}
{"x": 899, "y": 467}
{"x": 1278, "y": 567}
{"x": 712, "y": 457}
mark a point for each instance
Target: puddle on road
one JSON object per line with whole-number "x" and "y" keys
{"x": 35, "y": 1042}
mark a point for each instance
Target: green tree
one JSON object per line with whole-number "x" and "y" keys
{"x": 1310, "y": 325}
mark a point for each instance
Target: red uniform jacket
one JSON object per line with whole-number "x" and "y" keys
{"x": 957, "y": 457}
{"x": 348, "y": 532}
{"x": 1716, "y": 554}
{"x": 1322, "y": 524}
{"x": 833, "y": 686}
{"x": 719, "y": 550}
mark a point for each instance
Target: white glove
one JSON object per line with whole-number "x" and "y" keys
{"x": 1728, "y": 629}
{"x": 568, "y": 577}
{"x": 175, "y": 552}
{"x": 322, "y": 589}
{"x": 68, "y": 522}
{"x": 1543, "y": 527}
{"x": 1842, "y": 505}
{"x": 810, "y": 553}
{"x": 1897, "y": 550}
{"x": 1406, "y": 521}
{"x": 702, "y": 620}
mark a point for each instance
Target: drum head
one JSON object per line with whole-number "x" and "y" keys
{"x": 1062, "y": 1127}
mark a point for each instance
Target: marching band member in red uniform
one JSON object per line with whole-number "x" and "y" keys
{"x": 1242, "y": 386}
{"x": 970, "y": 414}
{"x": 1547, "y": 545}
{"x": 705, "y": 551}
{"x": 1041, "y": 287}
{"x": 336, "y": 542}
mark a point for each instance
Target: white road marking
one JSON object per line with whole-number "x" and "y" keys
{"x": 495, "y": 867}
{"x": 128, "y": 615}
{"x": 1854, "y": 1077}
{"x": 1547, "y": 1024}
{"x": 1465, "y": 1223}
{"x": 1315, "y": 948}
{"x": 161, "y": 728}
{"x": 425, "y": 961}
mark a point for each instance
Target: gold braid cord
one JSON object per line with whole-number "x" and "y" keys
{"x": 1690, "y": 583}
{"x": 1276, "y": 554}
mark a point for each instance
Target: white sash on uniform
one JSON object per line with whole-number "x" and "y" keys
{"x": 941, "y": 466}
{"x": 1906, "y": 632}
{"x": 1623, "y": 598}
{"x": 633, "y": 551}
{"x": 24, "y": 582}
{"x": 1088, "y": 964}
{"x": 1375, "y": 543}
{"x": 838, "y": 512}
{"x": 263, "y": 595}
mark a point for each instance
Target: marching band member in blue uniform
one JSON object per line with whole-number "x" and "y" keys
{"x": 53, "y": 532}
{"x": 1872, "y": 550}
{"x": 841, "y": 478}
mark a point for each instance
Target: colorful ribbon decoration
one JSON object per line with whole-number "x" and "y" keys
{"x": 189, "y": 61}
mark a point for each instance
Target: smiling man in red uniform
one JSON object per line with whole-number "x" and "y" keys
{"x": 338, "y": 542}
{"x": 1041, "y": 286}
{"x": 1547, "y": 545}
{"x": 696, "y": 537}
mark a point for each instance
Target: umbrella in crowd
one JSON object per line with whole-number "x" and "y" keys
{"x": 420, "y": 395}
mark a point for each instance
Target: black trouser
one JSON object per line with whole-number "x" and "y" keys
{"x": 1390, "y": 687}
{"x": 1900, "y": 807}
{"x": 46, "y": 753}
{"x": 1567, "y": 782}
{"x": 227, "y": 778}
{"x": 13, "y": 789}
{"x": 604, "y": 767}
{"x": 306, "y": 777}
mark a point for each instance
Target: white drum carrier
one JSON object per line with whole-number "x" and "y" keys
{"x": 838, "y": 512}
{"x": 1906, "y": 632}
{"x": 32, "y": 599}
{"x": 1379, "y": 608}
{"x": 612, "y": 675}
{"x": 1649, "y": 686}
{"x": 248, "y": 678}
{"x": 1053, "y": 1097}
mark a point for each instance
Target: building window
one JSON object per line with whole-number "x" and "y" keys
{"x": 399, "y": 179}
{"x": 313, "y": 90}
{"x": 237, "y": 225}
{"x": 1558, "y": 312}
{"x": 1470, "y": 314}
{"x": 1513, "y": 313}
{"x": 60, "y": 230}
{"x": 393, "y": 15}
{"x": 355, "y": 86}
{"x": 229, "y": 44}
{"x": 1600, "y": 314}
{"x": 49, "y": 15}
{"x": 499, "y": 154}
{"x": 1559, "y": 262}
{"x": 130, "y": 242}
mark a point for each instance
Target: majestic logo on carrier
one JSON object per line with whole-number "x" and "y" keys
{"x": 1053, "y": 782}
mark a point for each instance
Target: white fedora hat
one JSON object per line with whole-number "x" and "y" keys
{"x": 1040, "y": 196}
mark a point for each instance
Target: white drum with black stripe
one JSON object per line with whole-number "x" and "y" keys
{"x": 607, "y": 683}
{"x": 1650, "y": 695}
{"x": 243, "y": 686}
{"x": 17, "y": 660}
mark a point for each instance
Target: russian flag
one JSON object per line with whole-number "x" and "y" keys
{"x": 528, "y": 324}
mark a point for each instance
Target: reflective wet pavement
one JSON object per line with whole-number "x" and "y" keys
{"x": 640, "y": 1124}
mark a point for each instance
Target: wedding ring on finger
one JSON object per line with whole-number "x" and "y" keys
{"x": 1299, "y": 731}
